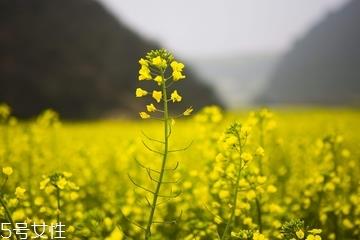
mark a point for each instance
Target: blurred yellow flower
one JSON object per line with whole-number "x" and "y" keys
{"x": 144, "y": 73}
{"x": 175, "y": 97}
{"x": 151, "y": 108}
{"x": 157, "y": 95}
{"x": 61, "y": 183}
{"x": 313, "y": 237}
{"x": 250, "y": 195}
{"x": 188, "y": 111}
{"x": 18, "y": 215}
{"x": 7, "y": 171}
{"x": 271, "y": 189}
{"x": 177, "y": 70}
{"x": 300, "y": 234}
{"x": 44, "y": 183}
{"x": 261, "y": 179}
{"x": 71, "y": 229}
{"x": 158, "y": 79}
{"x": 143, "y": 62}
{"x": 140, "y": 92}
{"x": 177, "y": 66}
{"x": 224, "y": 194}
{"x": 144, "y": 115}
{"x": 260, "y": 151}
{"x": 4, "y": 110}
{"x": 315, "y": 231}
{"x": 218, "y": 219}
{"x": 247, "y": 157}
{"x": 20, "y": 192}
{"x": 177, "y": 76}
{"x": 258, "y": 236}
{"x": 159, "y": 62}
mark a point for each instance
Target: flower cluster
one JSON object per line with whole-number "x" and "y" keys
{"x": 155, "y": 67}
{"x": 295, "y": 230}
{"x": 60, "y": 181}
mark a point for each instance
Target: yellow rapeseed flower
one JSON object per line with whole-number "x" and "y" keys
{"x": 61, "y": 183}
{"x": 143, "y": 62}
{"x": 260, "y": 151}
{"x": 300, "y": 234}
{"x": 18, "y": 215}
{"x": 49, "y": 189}
{"x": 71, "y": 229}
{"x": 140, "y": 92}
{"x": 144, "y": 115}
{"x": 144, "y": 73}
{"x": 247, "y": 157}
{"x": 177, "y": 66}
{"x": 224, "y": 194}
{"x": 175, "y": 97}
{"x": 345, "y": 153}
{"x": 158, "y": 79}
{"x": 250, "y": 195}
{"x": 115, "y": 235}
{"x": 159, "y": 62}
{"x": 218, "y": 219}
{"x": 157, "y": 95}
{"x": 177, "y": 76}
{"x": 13, "y": 202}
{"x": 39, "y": 201}
{"x": 4, "y": 111}
{"x": 20, "y": 192}
{"x": 151, "y": 108}
{"x": 347, "y": 223}
{"x": 258, "y": 236}
{"x": 188, "y": 111}
{"x": 313, "y": 237}
{"x": 261, "y": 179}
{"x": 247, "y": 221}
{"x": 7, "y": 171}
{"x": 271, "y": 189}
{"x": 315, "y": 231}
{"x": 44, "y": 183}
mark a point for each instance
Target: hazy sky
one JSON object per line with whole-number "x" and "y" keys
{"x": 194, "y": 28}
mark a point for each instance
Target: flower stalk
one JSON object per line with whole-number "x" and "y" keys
{"x": 236, "y": 131}
{"x": 154, "y": 67}
{"x": 58, "y": 211}
{"x": 164, "y": 160}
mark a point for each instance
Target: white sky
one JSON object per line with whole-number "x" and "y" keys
{"x": 194, "y": 28}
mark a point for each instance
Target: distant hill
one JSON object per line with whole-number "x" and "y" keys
{"x": 324, "y": 66}
{"x": 239, "y": 77}
{"x": 74, "y": 57}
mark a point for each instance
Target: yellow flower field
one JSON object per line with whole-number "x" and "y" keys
{"x": 257, "y": 174}
{"x": 309, "y": 171}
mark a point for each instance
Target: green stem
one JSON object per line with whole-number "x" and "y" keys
{"x": 262, "y": 143}
{"x": 258, "y": 199}
{"x": 163, "y": 164}
{"x": 334, "y": 152}
{"x": 259, "y": 215}
{"x": 7, "y": 212}
{"x": 29, "y": 180}
{"x": 58, "y": 204}
{"x": 236, "y": 191}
